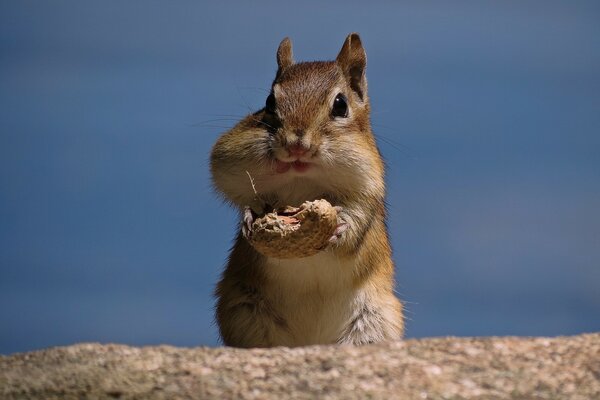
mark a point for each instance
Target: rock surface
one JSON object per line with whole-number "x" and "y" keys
{"x": 438, "y": 368}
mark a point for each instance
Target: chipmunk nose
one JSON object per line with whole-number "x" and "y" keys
{"x": 297, "y": 149}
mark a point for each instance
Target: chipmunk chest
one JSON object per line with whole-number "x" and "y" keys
{"x": 293, "y": 191}
{"x": 324, "y": 270}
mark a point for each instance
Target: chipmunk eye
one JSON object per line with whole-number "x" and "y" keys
{"x": 270, "y": 104}
{"x": 340, "y": 106}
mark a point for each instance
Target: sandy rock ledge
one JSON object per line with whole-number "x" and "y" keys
{"x": 444, "y": 368}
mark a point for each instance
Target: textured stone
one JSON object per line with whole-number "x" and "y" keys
{"x": 438, "y": 368}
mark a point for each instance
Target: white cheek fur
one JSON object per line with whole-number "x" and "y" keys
{"x": 341, "y": 170}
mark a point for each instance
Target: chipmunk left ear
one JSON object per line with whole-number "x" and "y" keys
{"x": 285, "y": 57}
{"x": 353, "y": 61}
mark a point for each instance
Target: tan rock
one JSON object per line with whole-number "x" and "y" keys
{"x": 442, "y": 368}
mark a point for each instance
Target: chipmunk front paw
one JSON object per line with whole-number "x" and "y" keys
{"x": 341, "y": 227}
{"x": 247, "y": 222}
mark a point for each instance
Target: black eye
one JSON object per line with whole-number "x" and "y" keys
{"x": 270, "y": 104}
{"x": 340, "y": 106}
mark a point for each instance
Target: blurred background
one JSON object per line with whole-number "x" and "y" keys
{"x": 488, "y": 115}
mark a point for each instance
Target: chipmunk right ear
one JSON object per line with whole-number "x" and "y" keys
{"x": 353, "y": 61}
{"x": 285, "y": 57}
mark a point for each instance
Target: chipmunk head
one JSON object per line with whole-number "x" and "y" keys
{"x": 316, "y": 102}
{"x": 313, "y": 136}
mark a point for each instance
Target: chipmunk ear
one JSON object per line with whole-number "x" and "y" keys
{"x": 285, "y": 57}
{"x": 353, "y": 61}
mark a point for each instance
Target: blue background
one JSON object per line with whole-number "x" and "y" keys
{"x": 488, "y": 115}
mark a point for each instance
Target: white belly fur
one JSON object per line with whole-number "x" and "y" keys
{"x": 314, "y": 295}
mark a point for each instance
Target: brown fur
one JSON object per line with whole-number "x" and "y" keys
{"x": 345, "y": 293}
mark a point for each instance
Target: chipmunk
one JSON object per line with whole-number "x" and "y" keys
{"x": 312, "y": 140}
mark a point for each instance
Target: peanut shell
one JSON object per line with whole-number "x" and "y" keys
{"x": 295, "y": 232}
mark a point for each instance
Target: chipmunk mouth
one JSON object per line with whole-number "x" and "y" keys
{"x": 282, "y": 167}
